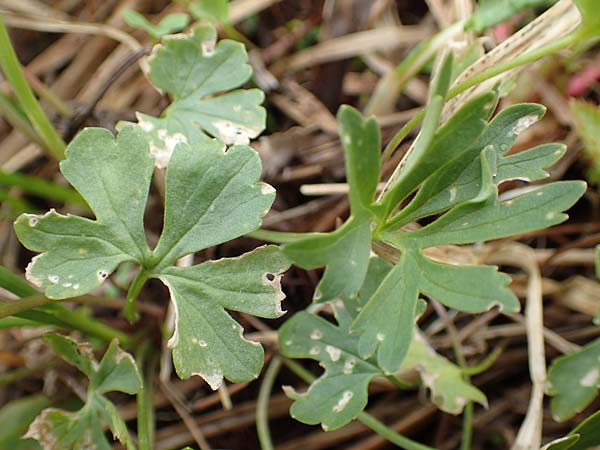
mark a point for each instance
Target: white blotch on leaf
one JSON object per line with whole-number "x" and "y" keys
{"x": 343, "y": 401}
{"x": 452, "y": 192}
{"x": 76, "y": 286}
{"x": 202, "y": 343}
{"x": 523, "y": 123}
{"x": 380, "y": 337}
{"x": 102, "y": 274}
{"x": 349, "y": 366}
{"x": 53, "y": 279}
{"x": 316, "y": 335}
{"x": 590, "y": 379}
{"x": 234, "y": 134}
{"x": 146, "y": 126}
{"x": 550, "y": 215}
{"x": 67, "y": 285}
{"x": 208, "y": 48}
{"x": 314, "y": 351}
{"x": 333, "y": 352}
{"x": 33, "y": 221}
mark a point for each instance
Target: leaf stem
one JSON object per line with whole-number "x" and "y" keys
{"x": 133, "y": 293}
{"x": 34, "y": 306}
{"x": 144, "y": 399}
{"x": 262, "y": 405}
{"x": 364, "y": 417}
{"x": 14, "y": 74}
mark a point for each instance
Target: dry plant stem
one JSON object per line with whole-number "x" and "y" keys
{"x": 467, "y": 430}
{"x": 14, "y": 74}
{"x": 63, "y": 26}
{"x": 187, "y": 419}
{"x": 262, "y": 404}
{"x": 530, "y": 433}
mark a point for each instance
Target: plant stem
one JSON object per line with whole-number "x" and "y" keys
{"x": 278, "y": 237}
{"x": 519, "y": 61}
{"x": 366, "y": 418}
{"x": 129, "y": 311}
{"x": 386, "y": 432}
{"x": 14, "y": 117}
{"x": 42, "y": 188}
{"x": 49, "y": 311}
{"x": 14, "y": 74}
{"x": 400, "y": 135}
{"x": 262, "y": 404}
{"x": 144, "y": 399}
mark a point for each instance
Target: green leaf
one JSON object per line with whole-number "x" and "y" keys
{"x": 494, "y": 12}
{"x": 471, "y": 289}
{"x": 586, "y": 118}
{"x": 213, "y": 10}
{"x": 585, "y": 436}
{"x": 459, "y": 179}
{"x": 449, "y": 391}
{"x": 470, "y": 223}
{"x": 573, "y": 381}
{"x": 212, "y": 195}
{"x": 529, "y": 165}
{"x": 386, "y": 322}
{"x": 57, "y": 429}
{"x": 207, "y": 341}
{"x": 205, "y": 70}
{"x": 225, "y": 200}
{"x": 78, "y": 254}
{"x": 340, "y": 394}
{"x": 362, "y": 143}
{"x": 454, "y": 139}
{"x": 171, "y": 23}
{"x": 15, "y": 417}
{"x": 345, "y": 252}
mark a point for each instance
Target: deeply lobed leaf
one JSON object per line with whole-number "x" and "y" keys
{"x": 207, "y": 341}
{"x": 198, "y": 72}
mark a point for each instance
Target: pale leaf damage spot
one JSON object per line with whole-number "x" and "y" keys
{"x": 590, "y": 379}
{"x": 343, "y": 401}
{"x": 333, "y": 352}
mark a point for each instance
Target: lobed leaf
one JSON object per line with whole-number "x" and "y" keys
{"x": 340, "y": 394}
{"x": 456, "y": 137}
{"x": 207, "y": 341}
{"x": 345, "y": 252}
{"x": 78, "y": 254}
{"x": 212, "y": 196}
{"x": 56, "y": 429}
{"x": 472, "y": 289}
{"x": 573, "y": 381}
{"x": 459, "y": 179}
{"x": 470, "y": 223}
{"x": 205, "y": 71}
{"x": 386, "y": 322}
